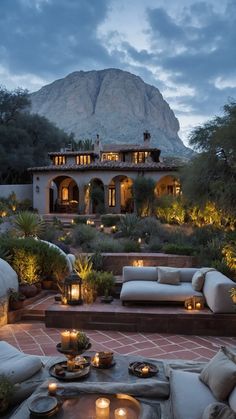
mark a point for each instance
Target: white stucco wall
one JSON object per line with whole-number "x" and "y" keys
{"x": 22, "y": 191}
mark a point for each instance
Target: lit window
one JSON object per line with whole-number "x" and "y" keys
{"x": 140, "y": 156}
{"x": 110, "y": 156}
{"x": 112, "y": 196}
{"x": 59, "y": 160}
{"x": 83, "y": 159}
{"x": 64, "y": 194}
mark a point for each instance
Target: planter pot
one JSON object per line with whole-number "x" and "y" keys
{"x": 16, "y": 305}
{"x": 47, "y": 284}
{"x": 106, "y": 300}
{"x": 28, "y": 290}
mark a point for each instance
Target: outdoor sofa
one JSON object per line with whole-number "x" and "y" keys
{"x": 165, "y": 284}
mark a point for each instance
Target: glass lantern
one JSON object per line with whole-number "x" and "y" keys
{"x": 72, "y": 289}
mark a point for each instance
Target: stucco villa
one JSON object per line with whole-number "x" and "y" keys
{"x": 79, "y": 181}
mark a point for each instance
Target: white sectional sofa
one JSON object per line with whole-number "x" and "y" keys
{"x": 140, "y": 284}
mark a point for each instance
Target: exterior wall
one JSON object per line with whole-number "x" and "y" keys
{"x": 42, "y": 181}
{"x": 22, "y": 191}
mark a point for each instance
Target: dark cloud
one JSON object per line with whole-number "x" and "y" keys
{"x": 51, "y": 36}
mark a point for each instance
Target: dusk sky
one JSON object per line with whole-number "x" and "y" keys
{"x": 186, "y": 48}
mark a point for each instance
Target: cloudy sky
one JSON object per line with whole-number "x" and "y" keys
{"x": 186, "y": 48}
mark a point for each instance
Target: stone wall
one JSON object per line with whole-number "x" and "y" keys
{"x": 22, "y": 191}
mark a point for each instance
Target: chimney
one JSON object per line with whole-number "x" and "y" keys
{"x": 97, "y": 145}
{"x": 146, "y": 138}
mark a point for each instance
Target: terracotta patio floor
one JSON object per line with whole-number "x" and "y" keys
{"x": 35, "y": 338}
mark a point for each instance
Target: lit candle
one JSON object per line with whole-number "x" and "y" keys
{"x": 71, "y": 364}
{"x": 72, "y": 221}
{"x": 121, "y": 413}
{"x": 65, "y": 340}
{"x": 52, "y": 388}
{"x": 96, "y": 360}
{"x": 101, "y": 227}
{"x": 113, "y": 229}
{"x": 190, "y": 307}
{"x": 198, "y": 306}
{"x": 145, "y": 370}
{"x": 64, "y": 300}
{"x": 102, "y": 408}
{"x": 139, "y": 240}
{"x": 73, "y": 339}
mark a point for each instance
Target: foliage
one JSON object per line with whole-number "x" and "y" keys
{"x": 96, "y": 192}
{"x": 128, "y": 225}
{"x": 28, "y": 224}
{"x": 221, "y": 266}
{"x": 203, "y": 235}
{"x": 83, "y": 234}
{"x": 215, "y": 142}
{"x": 15, "y": 295}
{"x": 6, "y": 389}
{"x": 105, "y": 282}
{"x": 106, "y": 245}
{"x": 229, "y": 253}
{"x": 50, "y": 234}
{"x": 130, "y": 246}
{"x": 83, "y": 265}
{"x": 178, "y": 249}
{"x": 25, "y": 138}
{"x": 53, "y": 263}
{"x": 108, "y": 220}
{"x": 80, "y": 220}
{"x": 97, "y": 261}
{"x": 150, "y": 226}
{"x": 84, "y": 145}
{"x": 89, "y": 287}
{"x": 155, "y": 244}
{"x": 171, "y": 210}
{"x": 26, "y": 265}
{"x": 144, "y": 196}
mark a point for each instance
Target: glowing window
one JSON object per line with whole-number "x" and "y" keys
{"x": 140, "y": 156}
{"x": 110, "y": 156}
{"x": 112, "y": 196}
{"x": 59, "y": 160}
{"x": 83, "y": 159}
{"x": 65, "y": 194}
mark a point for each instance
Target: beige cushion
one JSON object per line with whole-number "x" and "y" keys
{"x": 219, "y": 375}
{"x": 198, "y": 281}
{"x": 169, "y": 276}
{"x": 218, "y": 411}
{"x": 16, "y": 365}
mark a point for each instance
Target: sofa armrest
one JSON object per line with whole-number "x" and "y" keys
{"x": 216, "y": 291}
{"x": 144, "y": 273}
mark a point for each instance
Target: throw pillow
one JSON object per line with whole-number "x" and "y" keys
{"x": 198, "y": 281}
{"x": 169, "y": 276}
{"x": 218, "y": 411}
{"x": 219, "y": 375}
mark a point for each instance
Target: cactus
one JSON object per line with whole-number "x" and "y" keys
{"x": 82, "y": 340}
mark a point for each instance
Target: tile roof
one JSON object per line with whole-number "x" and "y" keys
{"x": 70, "y": 153}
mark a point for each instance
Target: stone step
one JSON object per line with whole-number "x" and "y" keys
{"x": 33, "y": 316}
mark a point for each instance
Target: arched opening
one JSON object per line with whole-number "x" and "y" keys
{"x": 168, "y": 185}
{"x": 94, "y": 197}
{"x": 120, "y": 195}
{"x": 63, "y": 195}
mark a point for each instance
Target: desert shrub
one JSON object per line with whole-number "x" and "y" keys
{"x": 80, "y": 220}
{"x": 25, "y": 205}
{"x": 130, "y": 246}
{"x": 221, "y": 265}
{"x": 97, "y": 261}
{"x": 107, "y": 245}
{"x": 178, "y": 249}
{"x": 144, "y": 196}
{"x": 109, "y": 220}
{"x": 83, "y": 265}
{"x": 179, "y": 237}
{"x": 89, "y": 287}
{"x": 53, "y": 264}
{"x": 83, "y": 234}
{"x": 50, "y": 234}
{"x": 171, "y": 210}
{"x": 26, "y": 265}
{"x": 202, "y": 235}
{"x": 28, "y": 224}
{"x": 155, "y": 244}
{"x": 229, "y": 253}
{"x": 104, "y": 282}
{"x": 128, "y": 225}
{"x": 150, "y": 226}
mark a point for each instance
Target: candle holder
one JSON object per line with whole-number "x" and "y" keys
{"x": 143, "y": 369}
{"x": 194, "y": 303}
{"x": 102, "y": 408}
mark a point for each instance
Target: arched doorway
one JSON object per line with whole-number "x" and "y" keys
{"x": 95, "y": 197}
{"x": 63, "y": 195}
{"x": 120, "y": 194}
{"x": 168, "y": 185}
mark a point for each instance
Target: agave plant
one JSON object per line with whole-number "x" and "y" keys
{"x": 128, "y": 225}
{"x": 28, "y": 224}
{"x": 83, "y": 265}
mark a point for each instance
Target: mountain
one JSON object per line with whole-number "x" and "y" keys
{"x": 115, "y": 104}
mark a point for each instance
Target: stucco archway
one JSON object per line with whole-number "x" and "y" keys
{"x": 63, "y": 195}
{"x": 95, "y": 197}
{"x": 120, "y": 194}
{"x": 168, "y": 185}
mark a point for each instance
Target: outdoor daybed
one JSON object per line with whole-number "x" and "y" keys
{"x": 155, "y": 284}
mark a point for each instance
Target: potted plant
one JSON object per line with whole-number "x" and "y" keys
{"x": 105, "y": 284}
{"x": 107, "y": 298}
{"x": 16, "y": 299}
{"x": 53, "y": 267}
{"x": 233, "y": 294}
{"x": 6, "y": 391}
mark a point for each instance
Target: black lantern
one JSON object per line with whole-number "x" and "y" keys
{"x": 72, "y": 289}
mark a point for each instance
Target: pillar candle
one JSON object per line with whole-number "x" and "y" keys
{"x": 121, "y": 413}
{"x": 102, "y": 408}
{"x": 73, "y": 339}
{"x": 65, "y": 340}
{"x": 52, "y": 388}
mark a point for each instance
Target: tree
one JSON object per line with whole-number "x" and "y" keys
{"x": 144, "y": 195}
{"x": 211, "y": 174}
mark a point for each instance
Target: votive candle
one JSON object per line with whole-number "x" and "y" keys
{"x": 102, "y": 407}
{"x": 96, "y": 360}
{"x": 70, "y": 365}
{"x": 145, "y": 370}
{"x": 121, "y": 413}
{"x": 198, "y": 306}
{"x": 52, "y": 388}
{"x": 65, "y": 340}
{"x": 190, "y": 307}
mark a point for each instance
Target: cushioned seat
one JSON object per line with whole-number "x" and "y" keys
{"x": 153, "y": 291}
{"x": 16, "y": 365}
{"x": 189, "y": 396}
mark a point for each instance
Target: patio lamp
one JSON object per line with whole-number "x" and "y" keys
{"x": 72, "y": 289}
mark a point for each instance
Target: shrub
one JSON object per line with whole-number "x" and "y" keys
{"x": 97, "y": 261}
{"x": 130, "y": 246}
{"x": 28, "y": 224}
{"x": 155, "y": 244}
{"x": 144, "y": 195}
{"x": 50, "y": 234}
{"x": 89, "y": 287}
{"x": 109, "y": 220}
{"x": 171, "y": 210}
{"x": 178, "y": 249}
{"x": 26, "y": 265}
{"x": 104, "y": 282}
{"x": 108, "y": 244}
{"x": 6, "y": 392}
{"x": 83, "y": 265}
{"x": 83, "y": 234}
{"x": 221, "y": 265}
{"x": 202, "y": 235}
{"x": 150, "y": 226}
{"x": 229, "y": 253}
{"x": 53, "y": 264}
{"x": 128, "y": 225}
{"x": 80, "y": 220}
